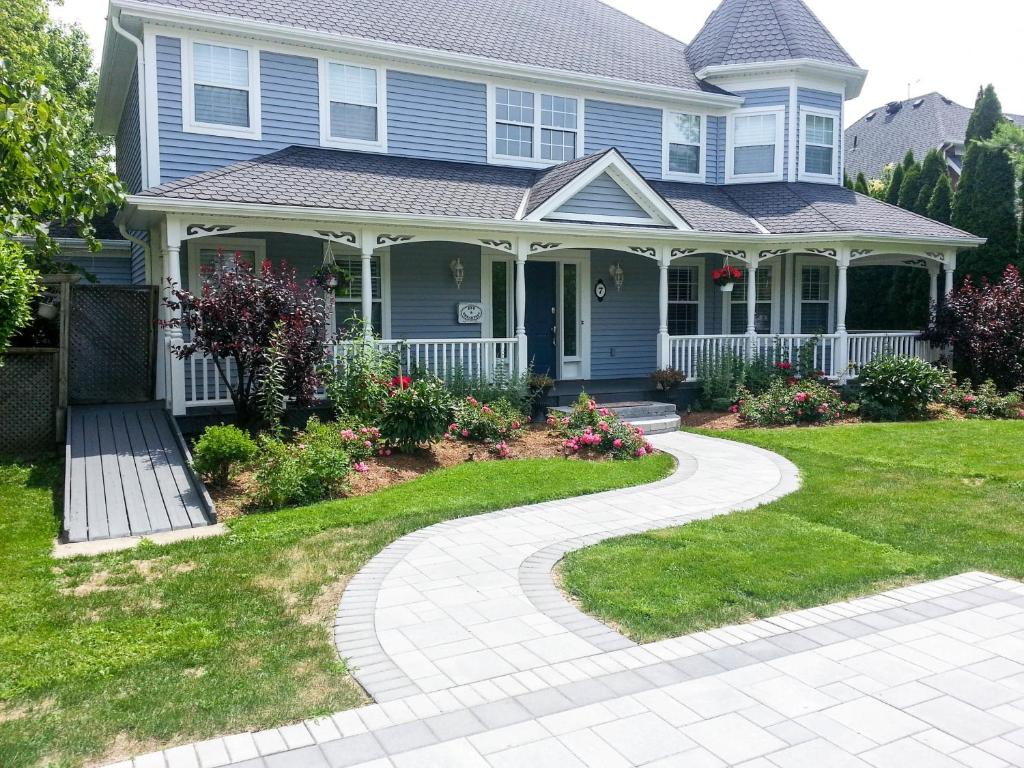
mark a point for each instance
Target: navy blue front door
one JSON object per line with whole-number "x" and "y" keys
{"x": 541, "y": 317}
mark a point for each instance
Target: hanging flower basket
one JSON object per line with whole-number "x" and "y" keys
{"x": 726, "y": 277}
{"x": 332, "y": 277}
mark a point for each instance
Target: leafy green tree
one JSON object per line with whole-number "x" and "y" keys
{"x": 985, "y": 200}
{"x": 18, "y": 287}
{"x": 940, "y": 207}
{"x": 861, "y": 185}
{"x": 892, "y": 193}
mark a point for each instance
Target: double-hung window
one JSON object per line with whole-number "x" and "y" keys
{"x": 755, "y": 143}
{"x": 684, "y": 300}
{"x": 818, "y": 140}
{"x": 349, "y": 300}
{"x": 764, "y": 307}
{"x": 683, "y": 156}
{"x": 220, "y": 89}
{"x": 351, "y": 110}
{"x": 532, "y": 127}
{"x": 815, "y": 298}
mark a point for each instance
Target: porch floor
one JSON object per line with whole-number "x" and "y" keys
{"x": 126, "y": 474}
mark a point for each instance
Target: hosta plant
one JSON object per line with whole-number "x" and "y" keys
{"x": 898, "y": 387}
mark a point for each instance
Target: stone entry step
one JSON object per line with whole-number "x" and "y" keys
{"x": 653, "y": 417}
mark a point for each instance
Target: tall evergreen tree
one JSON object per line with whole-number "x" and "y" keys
{"x": 892, "y": 194}
{"x": 985, "y": 200}
{"x": 911, "y": 188}
{"x": 908, "y": 160}
{"x": 861, "y": 185}
{"x": 940, "y": 207}
{"x": 932, "y": 168}
{"x": 847, "y": 181}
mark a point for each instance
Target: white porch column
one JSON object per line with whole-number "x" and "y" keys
{"x": 841, "y": 348}
{"x": 950, "y": 272}
{"x": 175, "y": 378}
{"x": 522, "y": 361}
{"x": 664, "y": 345}
{"x": 751, "y": 286}
{"x": 933, "y": 285}
{"x": 366, "y": 285}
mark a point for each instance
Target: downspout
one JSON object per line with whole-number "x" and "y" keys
{"x": 140, "y": 76}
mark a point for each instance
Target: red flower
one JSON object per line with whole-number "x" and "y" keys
{"x": 401, "y": 382}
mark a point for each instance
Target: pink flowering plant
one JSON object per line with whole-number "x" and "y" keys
{"x": 495, "y": 424}
{"x": 362, "y": 443}
{"x": 984, "y": 401}
{"x": 783, "y": 403}
{"x": 592, "y": 428}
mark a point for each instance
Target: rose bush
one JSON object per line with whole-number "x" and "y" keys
{"x": 784, "y": 403}
{"x": 984, "y": 402}
{"x": 590, "y": 427}
{"x": 495, "y": 424}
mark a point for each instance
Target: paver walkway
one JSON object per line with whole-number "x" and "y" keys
{"x": 475, "y": 659}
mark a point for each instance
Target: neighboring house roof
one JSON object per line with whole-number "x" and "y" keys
{"x": 356, "y": 181}
{"x": 583, "y": 36}
{"x": 922, "y": 123}
{"x": 104, "y": 225}
{"x": 761, "y": 31}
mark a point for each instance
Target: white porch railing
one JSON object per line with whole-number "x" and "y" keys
{"x": 202, "y": 384}
{"x": 686, "y": 352}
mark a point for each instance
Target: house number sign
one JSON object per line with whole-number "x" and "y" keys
{"x": 470, "y": 312}
{"x": 600, "y": 290}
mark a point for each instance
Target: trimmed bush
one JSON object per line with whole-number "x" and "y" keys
{"x": 486, "y": 423}
{"x": 589, "y": 427}
{"x": 803, "y": 402}
{"x": 895, "y": 387}
{"x": 416, "y": 412}
{"x": 219, "y": 450}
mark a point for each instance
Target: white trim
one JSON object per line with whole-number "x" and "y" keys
{"x": 256, "y": 244}
{"x": 631, "y": 182}
{"x": 582, "y": 260}
{"x": 487, "y": 259}
{"x": 323, "y": 74}
{"x": 400, "y": 52}
{"x": 804, "y": 260}
{"x": 701, "y": 176}
{"x": 794, "y": 132}
{"x": 152, "y": 116}
{"x": 836, "y": 117}
{"x": 853, "y": 77}
{"x": 189, "y": 124}
{"x": 536, "y": 161}
{"x": 701, "y": 264}
{"x": 780, "y": 139}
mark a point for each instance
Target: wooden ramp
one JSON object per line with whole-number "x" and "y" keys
{"x": 126, "y": 474}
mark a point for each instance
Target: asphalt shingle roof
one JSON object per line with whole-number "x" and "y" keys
{"x": 356, "y": 181}
{"x": 584, "y": 36}
{"x": 549, "y": 181}
{"x": 922, "y": 123}
{"x": 757, "y": 31}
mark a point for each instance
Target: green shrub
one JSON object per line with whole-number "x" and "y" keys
{"x": 985, "y": 402}
{"x": 417, "y": 412}
{"x": 896, "y": 387}
{"x": 721, "y": 376}
{"x": 313, "y": 467}
{"x": 359, "y": 384}
{"x": 17, "y": 289}
{"x": 486, "y": 422}
{"x": 803, "y": 402}
{"x": 219, "y": 450}
{"x": 507, "y": 386}
{"x": 589, "y": 427}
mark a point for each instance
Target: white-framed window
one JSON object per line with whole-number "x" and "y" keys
{"x": 685, "y": 141}
{"x": 815, "y": 295}
{"x": 497, "y": 287}
{"x": 754, "y": 145}
{"x": 353, "y": 109}
{"x": 220, "y": 88}
{"x": 530, "y": 127}
{"x": 348, "y": 301}
{"x": 819, "y": 144}
{"x": 765, "y": 311}
{"x": 209, "y": 255}
{"x": 686, "y": 298}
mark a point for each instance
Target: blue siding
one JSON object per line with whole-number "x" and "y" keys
{"x": 809, "y": 97}
{"x": 634, "y": 131}
{"x": 715, "y": 172}
{"x": 107, "y": 269}
{"x": 772, "y": 97}
{"x": 138, "y": 259}
{"x": 423, "y": 293}
{"x": 624, "y": 327}
{"x": 437, "y": 118}
{"x": 290, "y": 114}
{"x": 128, "y": 142}
{"x": 604, "y": 197}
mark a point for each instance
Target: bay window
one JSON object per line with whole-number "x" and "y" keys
{"x": 683, "y": 155}
{"x": 818, "y": 145}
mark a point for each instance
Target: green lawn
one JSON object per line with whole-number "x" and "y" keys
{"x": 123, "y": 653}
{"x": 881, "y": 505}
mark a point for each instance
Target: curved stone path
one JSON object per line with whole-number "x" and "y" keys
{"x": 472, "y": 599}
{"x": 476, "y": 661}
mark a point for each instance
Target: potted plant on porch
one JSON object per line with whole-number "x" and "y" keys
{"x": 726, "y": 277}
{"x": 332, "y": 277}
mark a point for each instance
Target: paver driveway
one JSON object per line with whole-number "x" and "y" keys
{"x": 475, "y": 659}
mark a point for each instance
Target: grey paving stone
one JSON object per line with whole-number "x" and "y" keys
{"x": 791, "y": 642}
{"x": 583, "y": 692}
{"x": 544, "y": 702}
{"x": 697, "y": 666}
{"x": 852, "y": 628}
{"x": 662, "y": 674}
{"x": 304, "y": 757}
{"x": 404, "y": 737}
{"x": 764, "y": 650}
{"x": 497, "y": 714}
{"x": 730, "y": 658}
{"x": 352, "y": 751}
{"x": 625, "y": 682}
{"x": 454, "y": 725}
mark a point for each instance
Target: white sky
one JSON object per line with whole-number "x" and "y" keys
{"x": 930, "y": 45}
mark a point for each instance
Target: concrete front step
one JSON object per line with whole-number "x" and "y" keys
{"x": 655, "y": 418}
{"x": 657, "y": 425}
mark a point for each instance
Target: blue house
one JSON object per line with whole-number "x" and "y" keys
{"x": 510, "y": 184}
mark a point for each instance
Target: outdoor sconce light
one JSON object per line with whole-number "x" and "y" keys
{"x": 458, "y": 272}
{"x": 615, "y": 270}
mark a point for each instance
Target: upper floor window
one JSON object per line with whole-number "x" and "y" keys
{"x": 818, "y": 139}
{"x": 220, "y": 89}
{"x": 352, "y": 112}
{"x": 754, "y": 145}
{"x": 685, "y": 139}
{"x": 534, "y": 128}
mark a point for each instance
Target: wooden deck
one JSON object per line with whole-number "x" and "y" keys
{"x": 127, "y": 474}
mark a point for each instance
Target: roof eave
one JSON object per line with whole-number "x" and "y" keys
{"x": 481, "y": 65}
{"x": 853, "y": 77}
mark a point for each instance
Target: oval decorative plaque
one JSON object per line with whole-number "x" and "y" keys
{"x": 470, "y": 312}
